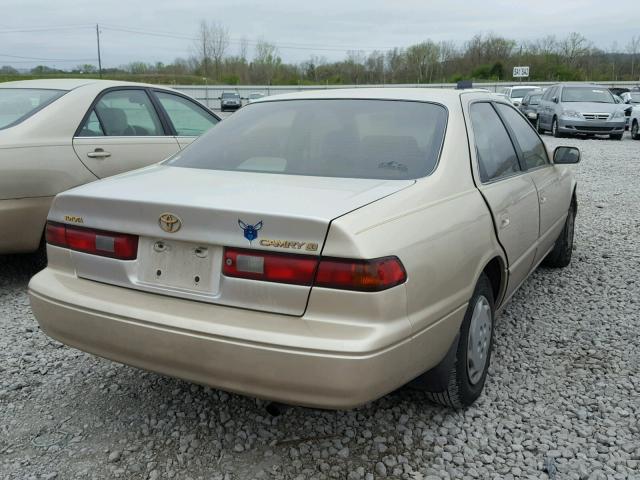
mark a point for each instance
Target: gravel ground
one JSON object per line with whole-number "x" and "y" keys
{"x": 562, "y": 400}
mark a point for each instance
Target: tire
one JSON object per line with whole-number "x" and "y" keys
{"x": 554, "y": 128}
{"x": 466, "y": 379}
{"x": 538, "y": 127}
{"x": 635, "y": 130}
{"x": 617, "y": 136}
{"x": 560, "y": 256}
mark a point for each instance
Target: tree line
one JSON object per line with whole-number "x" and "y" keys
{"x": 487, "y": 57}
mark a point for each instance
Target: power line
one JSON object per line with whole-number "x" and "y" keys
{"x": 45, "y": 29}
{"x": 48, "y": 59}
{"x": 286, "y": 46}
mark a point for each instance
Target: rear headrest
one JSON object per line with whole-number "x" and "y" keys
{"x": 114, "y": 120}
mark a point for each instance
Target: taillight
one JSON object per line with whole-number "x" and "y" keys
{"x": 363, "y": 275}
{"x": 269, "y": 267}
{"x": 122, "y": 246}
{"x": 344, "y": 274}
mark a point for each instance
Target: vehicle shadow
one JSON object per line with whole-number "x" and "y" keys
{"x": 16, "y": 270}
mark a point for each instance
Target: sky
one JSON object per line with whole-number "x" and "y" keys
{"x": 300, "y": 29}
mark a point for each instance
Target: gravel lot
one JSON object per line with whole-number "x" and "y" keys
{"x": 562, "y": 400}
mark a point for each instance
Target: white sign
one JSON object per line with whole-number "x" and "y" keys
{"x": 519, "y": 72}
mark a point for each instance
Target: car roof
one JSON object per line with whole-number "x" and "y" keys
{"x": 68, "y": 83}
{"x": 438, "y": 95}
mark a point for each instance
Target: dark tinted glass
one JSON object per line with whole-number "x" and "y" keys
{"x": 329, "y": 138}
{"x": 496, "y": 155}
{"x": 532, "y": 147}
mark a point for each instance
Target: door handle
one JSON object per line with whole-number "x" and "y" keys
{"x": 98, "y": 153}
{"x": 505, "y": 221}
{"x": 543, "y": 199}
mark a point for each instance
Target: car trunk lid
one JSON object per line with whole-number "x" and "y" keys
{"x": 215, "y": 209}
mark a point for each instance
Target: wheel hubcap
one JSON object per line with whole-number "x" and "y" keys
{"x": 555, "y": 127}
{"x": 479, "y": 339}
{"x": 634, "y": 130}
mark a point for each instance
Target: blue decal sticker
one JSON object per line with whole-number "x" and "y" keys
{"x": 250, "y": 231}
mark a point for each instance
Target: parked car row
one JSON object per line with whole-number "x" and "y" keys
{"x": 282, "y": 254}
{"x": 577, "y": 109}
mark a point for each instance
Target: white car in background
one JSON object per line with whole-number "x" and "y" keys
{"x": 516, "y": 93}
{"x": 253, "y": 96}
{"x": 58, "y": 134}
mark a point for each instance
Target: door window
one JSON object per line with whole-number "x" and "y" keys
{"x": 92, "y": 127}
{"x": 496, "y": 155}
{"x": 123, "y": 113}
{"x": 533, "y": 151}
{"x": 188, "y": 119}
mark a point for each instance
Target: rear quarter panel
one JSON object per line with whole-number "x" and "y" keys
{"x": 441, "y": 230}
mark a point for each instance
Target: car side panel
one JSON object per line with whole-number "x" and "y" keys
{"x": 125, "y": 153}
{"x": 554, "y": 195}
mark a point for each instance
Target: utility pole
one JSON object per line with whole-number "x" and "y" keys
{"x": 99, "y": 58}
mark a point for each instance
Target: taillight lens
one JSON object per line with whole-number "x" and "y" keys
{"x": 122, "y": 246}
{"x": 363, "y": 275}
{"x": 344, "y": 274}
{"x": 269, "y": 267}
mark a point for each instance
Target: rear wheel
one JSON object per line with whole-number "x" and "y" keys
{"x": 635, "y": 130}
{"x": 468, "y": 373}
{"x": 560, "y": 256}
{"x": 554, "y": 128}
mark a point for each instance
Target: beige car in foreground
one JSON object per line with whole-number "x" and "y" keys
{"x": 320, "y": 248}
{"x": 58, "y": 134}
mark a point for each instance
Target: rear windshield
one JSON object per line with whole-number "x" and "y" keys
{"x": 18, "y": 104}
{"x": 535, "y": 99}
{"x": 329, "y": 138}
{"x": 587, "y": 94}
{"x": 521, "y": 92}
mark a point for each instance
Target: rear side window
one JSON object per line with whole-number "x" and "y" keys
{"x": 329, "y": 138}
{"x": 188, "y": 118}
{"x": 18, "y": 104}
{"x": 496, "y": 155}
{"x": 533, "y": 151}
{"x": 123, "y": 113}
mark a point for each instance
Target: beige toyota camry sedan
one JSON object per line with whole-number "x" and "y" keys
{"x": 58, "y": 134}
{"x": 320, "y": 248}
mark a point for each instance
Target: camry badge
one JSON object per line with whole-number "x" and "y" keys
{"x": 169, "y": 222}
{"x": 250, "y": 231}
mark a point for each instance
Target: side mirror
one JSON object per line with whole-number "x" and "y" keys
{"x": 566, "y": 155}
{"x": 554, "y": 99}
{"x": 219, "y": 98}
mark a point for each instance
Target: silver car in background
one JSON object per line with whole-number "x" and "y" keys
{"x": 516, "y": 93}
{"x": 571, "y": 109}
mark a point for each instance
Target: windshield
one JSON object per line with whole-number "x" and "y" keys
{"x": 634, "y": 97}
{"x": 329, "y": 138}
{"x": 587, "y": 94}
{"x": 229, "y": 95}
{"x": 18, "y": 104}
{"x": 521, "y": 92}
{"x": 535, "y": 99}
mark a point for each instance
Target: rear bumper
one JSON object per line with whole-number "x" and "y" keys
{"x": 22, "y": 221}
{"x": 568, "y": 125}
{"x": 187, "y": 339}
